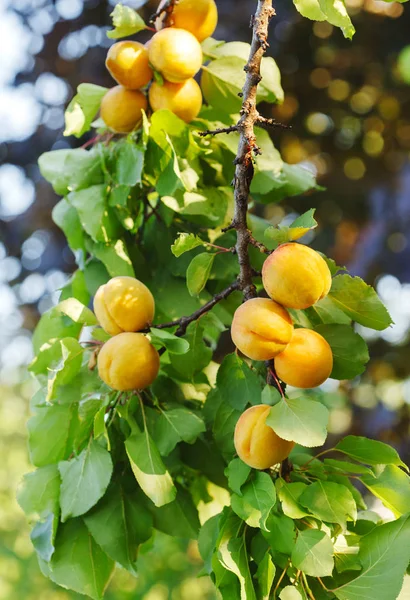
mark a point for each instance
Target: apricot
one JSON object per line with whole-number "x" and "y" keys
{"x": 124, "y": 304}
{"x": 261, "y": 328}
{"x": 307, "y": 360}
{"x": 128, "y": 361}
{"x": 121, "y": 109}
{"x": 128, "y": 64}
{"x": 200, "y": 17}
{"x": 256, "y": 443}
{"x": 183, "y": 99}
{"x": 175, "y": 53}
{"x": 296, "y": 276}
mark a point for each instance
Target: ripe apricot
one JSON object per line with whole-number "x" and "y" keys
{"x": 128, "y": 361}
{"x": 307, "y": 360}
{"x": 124, "y": 304}
{"x": 256, "y": 443}
{"x": 121, "y": 109}
{"x": 200, "y": 17}
{"x": 296, "y": 276}
{"x": 175, "y": 53}
{"x": 183, "y": 99}
{"x": 128, "y": 64}
{"x": 261, "y": 328}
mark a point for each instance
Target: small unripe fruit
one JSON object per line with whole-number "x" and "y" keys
{"x": 296, "y": 276}
{"x": 121, "y": 109}
{"x": 256, "y": 443}
{"x": 307, "y": 360}
{"x": 128, "y": 64}
{"x": 128, "y": 361}
{"x": 175, "y": 53}
{"x": 200, "y": 17}
{"x": 124, "y": 304}
{"x": 183, "y": 99}
{"x": 261, "y": 328}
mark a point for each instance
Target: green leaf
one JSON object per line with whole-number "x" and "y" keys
{"x": 300, "y": 420}
{"x": 115, "y": 257}
{"x": 223, "y": 428}
{"x": 392, "y": 487}
{"x": 54, "y": 424}
{"x": 324, "y": 312}
{"x": 66, "y": 217}
{"x": 384, "y": 555}
{"x": 206, "y": 207}
{"x": 149, "y": 470}
{"x": 198, "y": 272}
{"x": 296, "y": 230}
{"x": 330, "y": 502}
{"x": 70, "y": 170}
{"x": 39, "y": 491}
{"x": 333, "y": 11}
{"x": 237, "y": 473}
{"x": 360, "y": 302}
{"x": 126, "y": 22}
{"x": 186, "y": 242}
{"x": 129, "y": 164}
{"x": 92, "y": 211}
{"x": 119, "y": 524}
{"x": 78, "y": 563}
{"x": 174, "y": 426}
{"x": 173, "y": 343}
{"x": 350, "y": 352}
{"x": 256, "y": 501}
{"x": 84, "y": 480}
{"x": 76, "y": 311}
{"x": 207, "y": 539}
{"x": 233, "y": 556}
{"x": 82, "y": 109}
{"x": 70, "y": 355}
{"x": 290, "y": 592}
{"x": 313, "y": 553}
{"x": 54, "y": 325}
{"x": 289, "y": 494}
{"x": 280, "y": 534}
{"x": 198, "y": 356}
{"x": 43, "y": 534}
{"x": 265, "y": 576}
{"x": 178, "y": 518}
{"x": 370, "y": 452}
{"x": 237, "y": 383}
{"x": 348, "y": 467}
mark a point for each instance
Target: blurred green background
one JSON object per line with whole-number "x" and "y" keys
{"x": 349, "y": 108}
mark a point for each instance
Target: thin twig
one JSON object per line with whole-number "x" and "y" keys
{"x": 183, "y": 322}
{"x": 230, "y": 129}
{"x": 261, "y": 247}
{"x": 247, "y": 143}
{"x": 281, "y": 578}
{"x": 265, "y": 122}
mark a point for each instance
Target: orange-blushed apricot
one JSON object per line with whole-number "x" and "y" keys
{"x": 128, "y": 64}
{"x": 175, "y": 53}
{"x": 121, "y": 109}
{"x": 296, "y": 276}
{"x": 183, "y": 99}
{"x": 200, "y": 17}
{"x": 261, "y": 328}
{"x": 124, "y": 304}
{"x": 128, "y": 361}
{"x": 256, "y": 443}
{"x": 307, "y": 360}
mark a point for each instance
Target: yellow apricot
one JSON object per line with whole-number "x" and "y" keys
{"x": 128, "y": 64}
{"x": 256, "y": 443}
{"x": 261, "y": 328}
{"x": 124, "y": 304}
{"x": 307, "y": 360}
{"x": 296, "y": 276}
{"x": 128, "y": 361}
{"x": 200, "y": 17}
{"x": 183, "y": 99}
{"x": 121, "y": 109}
{"x": 175, "y": 53}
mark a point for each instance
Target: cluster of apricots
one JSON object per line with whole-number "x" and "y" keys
{"x": 165, "y": 66}
{"x": 128, "y": 361}
{"x": 294, "y": 276}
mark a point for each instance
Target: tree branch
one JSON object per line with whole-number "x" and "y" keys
{"x": 264, "y": 122}
{"x": 183, "y": 322}
{"x": 216, "y": 131}
{"x": 247, "y": 143}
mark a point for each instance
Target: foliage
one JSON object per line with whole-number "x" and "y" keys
{"x": 112, "y": 468}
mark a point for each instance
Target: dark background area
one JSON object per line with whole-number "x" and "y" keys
{"x": 350, "y": 118}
